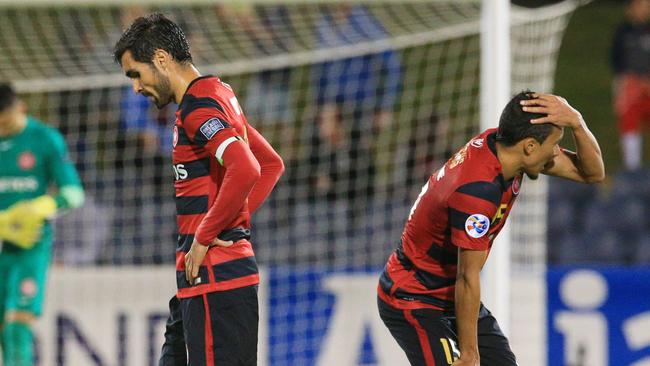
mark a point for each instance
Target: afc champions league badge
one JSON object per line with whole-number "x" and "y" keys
{"x": 26, "y": 160}
{"x": 477, "y": 225}
{"x": 175, "y": 136}
{"x": 516, "y": 185}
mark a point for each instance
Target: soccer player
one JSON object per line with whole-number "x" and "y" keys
{"x": 33, "y": 156}
{"x": 223, "y": 169}
{"x": 429, "y": 292}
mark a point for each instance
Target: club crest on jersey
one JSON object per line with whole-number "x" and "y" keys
{"x": 211, "y": 127}
{"x": 516, "y": 185}
{"x": 175, "y": 136}
{"x": 477, "y": 225}
{"x": 26, "y": 160}
{"x": 28, "y": 287}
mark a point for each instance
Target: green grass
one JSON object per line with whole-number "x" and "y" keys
{"x": 583, "y": 74}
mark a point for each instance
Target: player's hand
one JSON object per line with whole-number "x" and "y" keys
{"x": 466, "y": 362}
{"x": 19, "y": 226}
{"x": 557, "y": 110}
{"x": 221, "y": 243}
{"x": 193, "y": 260}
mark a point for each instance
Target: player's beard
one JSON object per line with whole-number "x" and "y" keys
{"x": 163, "y": 89}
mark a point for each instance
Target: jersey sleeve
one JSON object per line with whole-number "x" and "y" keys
{"x": 242, "y": 172}
{"x": 271, "y": 168}
{"x": 471, "y": 209}
{"x": 208, "y": 126}
{"x": 63, "y": 172}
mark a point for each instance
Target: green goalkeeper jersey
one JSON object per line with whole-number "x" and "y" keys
{"x": 32, "y": 160}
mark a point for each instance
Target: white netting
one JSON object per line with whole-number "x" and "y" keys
{"x": 363, "y": 102}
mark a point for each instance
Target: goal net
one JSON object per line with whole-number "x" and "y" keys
{"x": 363, "y": 99}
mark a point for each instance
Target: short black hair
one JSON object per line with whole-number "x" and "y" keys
{"x": 7, "y": 96}
{"x": 150, "y": 33}
{"x": 514, "y": 124}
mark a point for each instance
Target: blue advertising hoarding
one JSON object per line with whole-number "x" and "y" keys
{"x": 598, "y": 316}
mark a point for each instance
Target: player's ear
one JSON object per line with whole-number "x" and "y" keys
{"x": 530, "y": 145}
{"x": 161, "y": 59}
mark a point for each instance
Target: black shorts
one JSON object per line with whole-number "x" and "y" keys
{"x": 219, "y": 328}
{"x": 429, "y": 336}
{"x": 173, "y": 351}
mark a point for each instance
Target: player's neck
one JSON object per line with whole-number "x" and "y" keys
{"x": 181, "y": 79}
{"x": 14, "y": 128}
{"x": 510, "y": 163}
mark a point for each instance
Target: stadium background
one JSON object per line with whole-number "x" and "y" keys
{"x": 305, "y": 324}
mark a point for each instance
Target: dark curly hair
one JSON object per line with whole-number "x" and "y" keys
{"x": 150, "y": 33}
{"x": 514, "y": 124}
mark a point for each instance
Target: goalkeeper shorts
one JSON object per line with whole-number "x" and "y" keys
{"x": 429, "y": 336}
{"x": 24, "y": 274}
{"x": 220, "y": 328}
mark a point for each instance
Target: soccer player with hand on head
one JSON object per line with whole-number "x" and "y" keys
{"x": 429, "y": 294}
{"x": 33, "y": 156}
{"x": 224, "y": 169}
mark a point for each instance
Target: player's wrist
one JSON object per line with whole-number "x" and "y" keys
{"x": 201, "y": 241}
{"x": 472, "y": 356}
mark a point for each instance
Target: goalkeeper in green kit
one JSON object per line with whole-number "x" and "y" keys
{"x": 32, "y": 156}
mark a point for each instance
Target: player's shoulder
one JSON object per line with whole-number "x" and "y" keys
{"x": 477, "y": 159}
{"x": 208, "y": 86}
{"x": 475, "y": 164}
{"x": 206, "y": 92}
{"x": 42, "y": 130}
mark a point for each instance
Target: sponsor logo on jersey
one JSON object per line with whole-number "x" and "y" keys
{"x": 477, "y": 225}
{"x": 175, "y": 136}
{"x": 180, "y": 172}
{"x": 26, "y": 160}
{"x": 477, "y": 143}
{"x": 211, "y": 127}
{"x": 516, "y": 185}
{"x": 18, "y": 184}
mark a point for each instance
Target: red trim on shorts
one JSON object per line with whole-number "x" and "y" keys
{"x": 424, "y": 339}
{"x": 209, "y": 340}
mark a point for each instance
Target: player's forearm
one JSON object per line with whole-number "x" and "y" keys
{"x": 589, "y": 157}
{"x": 270, "y": 173}
{"x": 242, "y": 172}
{"x": 468, "y": 301}
{"x": 271, "y": 168}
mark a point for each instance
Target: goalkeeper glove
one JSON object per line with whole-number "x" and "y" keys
{"x": 19, "y": 228}
{"x": 22, "y": 223}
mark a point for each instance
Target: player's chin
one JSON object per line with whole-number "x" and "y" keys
{"x": 159, "y": 104}
{"x": 532, "y": 176}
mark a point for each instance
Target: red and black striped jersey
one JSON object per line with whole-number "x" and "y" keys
{"x": 209, "y": 124}
{"x": 463, "y": 205}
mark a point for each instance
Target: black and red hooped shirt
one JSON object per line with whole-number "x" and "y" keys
{"x": 463, "y": 205}
{"x": 214, "y": 173}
